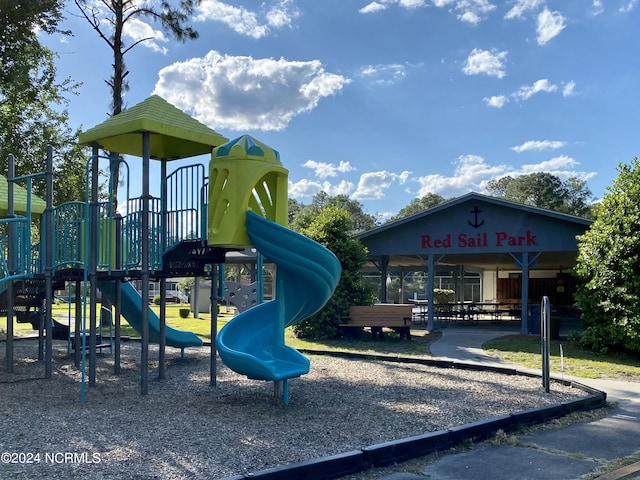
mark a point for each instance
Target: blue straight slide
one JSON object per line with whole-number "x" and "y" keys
{"x": 252, "y": 343}
{"x": 131, "y": 307}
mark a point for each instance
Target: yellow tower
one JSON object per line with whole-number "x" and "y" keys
{"x": 244, "y": 174}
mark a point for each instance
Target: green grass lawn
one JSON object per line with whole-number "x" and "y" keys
{"x": 200, "y": 326}
{"x": 391, "y": 345}
{"x": 519, "y": 349}
{"x": 525, "y": 350}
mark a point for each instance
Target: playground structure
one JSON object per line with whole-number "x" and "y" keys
{"x": 185, "y": 232}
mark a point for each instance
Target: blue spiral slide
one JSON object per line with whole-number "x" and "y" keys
{"x": 252, "y": 343}
{"x": 131, "y": 306}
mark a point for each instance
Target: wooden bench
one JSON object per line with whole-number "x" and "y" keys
{"x": 396, "y": 317}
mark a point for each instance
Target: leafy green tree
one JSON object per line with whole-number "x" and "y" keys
{"x": 33, "y": 103}
{"x": 302, "y": 216}
{"x": 545, "y": 190}
{"x": 293, "y": 208}
{"x": 418, "y": 205}
{"x": 186, "y": 284}
{"x": 608, "y": 267}
{"x": 331, "y": 229}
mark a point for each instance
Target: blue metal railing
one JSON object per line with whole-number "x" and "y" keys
{"x": 184, "y": 209}
{"x": 132, "y": 233}
{"x": 68, "y": 230}
{"x": 184, "y": 219}
{"x": 26, "y": 260}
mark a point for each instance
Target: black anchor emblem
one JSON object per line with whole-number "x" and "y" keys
{"x": 475, "y": 224}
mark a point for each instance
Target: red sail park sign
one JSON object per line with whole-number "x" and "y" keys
{"x": 498, "y": 239}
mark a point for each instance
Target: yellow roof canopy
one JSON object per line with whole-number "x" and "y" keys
{"x": 173, "y": 133}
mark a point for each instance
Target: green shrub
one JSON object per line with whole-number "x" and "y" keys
{"x": 443, "y": 295}
{"x": 156, "y": 300}
{"x": 331, "y": 229}
{"x": 574, "y": 336}
{"x": 608, "y": 291}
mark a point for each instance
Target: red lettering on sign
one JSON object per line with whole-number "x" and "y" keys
{"x": 479, "y": 240}
{"x": 503, "y": 238}
{"x": 428, "y": 242}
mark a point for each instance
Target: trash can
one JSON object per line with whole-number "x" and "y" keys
{"x": 534, "y": 319}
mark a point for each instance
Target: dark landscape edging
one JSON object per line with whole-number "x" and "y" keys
{"x": 397, "y": 451}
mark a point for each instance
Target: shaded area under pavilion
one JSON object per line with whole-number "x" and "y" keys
{"x": 486, "y": 234}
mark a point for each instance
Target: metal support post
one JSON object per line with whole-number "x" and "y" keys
{"x": 78, "y": 325}
{"x": 214, "y": 324}
{"x": 545, "y": 331}
{"x": 163, "y": 281}
{"x": 144, "y": 356}
{"x": 93, "y": 268}
{"x": 524, "y": 299}
{"x": 118, "y": 299}
{"x": 431, "y": 274}
{"x": 48, "y": 264}
{"x": 11, "y": 251}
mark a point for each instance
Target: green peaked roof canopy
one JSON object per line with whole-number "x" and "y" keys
{"x": 173, "y": 133}
{"x": 19, "y": 200}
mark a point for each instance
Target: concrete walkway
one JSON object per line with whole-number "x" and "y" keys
{"x": 562, "y": 454}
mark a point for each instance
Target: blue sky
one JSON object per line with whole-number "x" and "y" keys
{"x": 386, "y": 101}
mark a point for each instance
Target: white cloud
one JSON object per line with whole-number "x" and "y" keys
{"x": 468, "y": 11}
{"x": 627, "y": 7}
{"x": 496, "y": 101}
{"x": 372, "y": 185}
{"x": 569, "y": 89}
{"x": 343, "y": 188}
{"x": 474, "y": 11}
{"x": 563, "y": 167}
{"x": 411, "y": 3}
{"x": 597, "y": 6}
{"x": 308, "y": 188}
{"x": 442, "y": 3}
{"x": 373, "y": 7}
{"x": 138, "y": 31}
{"x": 528, "y": 91}
{"x": 521, "y": 7}
{"x": 550, "y": 24}
{"x": 324, "y": 170}
{"x": 539, "y": 145}
{"x": 470, "y": 173}
{"x": 542, "y": 85}
{"x": 282, "y": 14}
{"x": 553, "y": 165}
{"x": 473, "y": 172}
{"x": 470, "y": 17}
{"x": 279, "y": 14}
{"x": 304, "y": 188}
{"x": 242, "y": 93}
{"x": 377, "y": 6}
{"x": 485, "y": 62}
{"x": 386, "y": 74}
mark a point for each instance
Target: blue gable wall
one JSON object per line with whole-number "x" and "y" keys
{"x": 475, "y": 224}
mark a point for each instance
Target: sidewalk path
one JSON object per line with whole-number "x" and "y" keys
{"x": 464, "y": 344}
{"x": 562, "y": 454}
